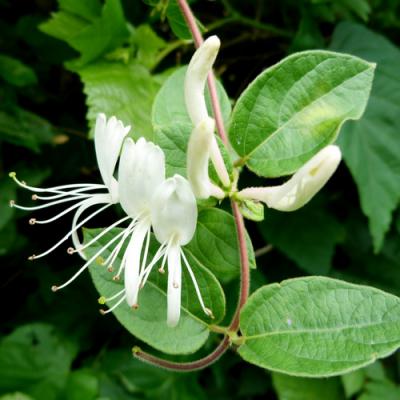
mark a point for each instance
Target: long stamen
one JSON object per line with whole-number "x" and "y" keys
{"x": 96, "y": 238}
{"x": 146, "y": 250}
{"x": 70, "y": 232}
{"x": 54, "y": 189}
{"x": 34, "y": 221}
{"x": 103, "y": 300}
{"x": 206, "y": 310}
{"x": 53, "y": 203}
{"x": 86, "y": 265}
{"x": 146, "y": 272}
{"x": 114, "y": 254}
{"x": 67, "y": 193}
{"x": 104, "y": 312}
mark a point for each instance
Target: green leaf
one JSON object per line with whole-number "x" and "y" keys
{"x": 381, "y": 390}
{"x": 16, "y": 396}
{"x": 172, "y": 124}
{"x": 92, "y": 35}
{"x": 15, "y": 72}
{"x": 148, "y": 323}
{"x": 295, "y": 388}
{"x": 215, "y": 244}
{"x": 318, "y": 326}
{"x": 296, "y": 107}
{"x": 353, "y": 382}
{"x": 41, "y": 359}
{"x": 176, "y": 20}
{"x": 82, "y": 384}
{"x": 23, "y": 128}
{"x": 311, "y": 248}
{"x": 252, "y": 210}
{"x": 126, "y": 91}
{"x": 371, "y": 147}
{"x": 148, "y": 45}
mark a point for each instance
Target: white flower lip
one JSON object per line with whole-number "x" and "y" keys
{"x": 174, "y": 211}
{"x": 302, "y": 186}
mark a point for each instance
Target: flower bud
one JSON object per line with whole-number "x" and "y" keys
{"x": 302, "y": 186}
{"x": 199, "y": 67}
{"x": 174, "y": 211}
{"x": 198, "y": 156}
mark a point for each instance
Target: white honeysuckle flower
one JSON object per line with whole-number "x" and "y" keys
{"x": 195, "y": 80}
{"x": 174, "y": 219}
{"x": 108, "y": 138}
{"x": 198, "y": 156}
{"x": 141, "y": 171}
{"x": 302, "y": 186}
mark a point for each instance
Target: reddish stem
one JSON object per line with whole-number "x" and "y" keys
{"x": 240, "y": 229}
{"x": 198, "y": 40}
{"x": 187, "y": 366}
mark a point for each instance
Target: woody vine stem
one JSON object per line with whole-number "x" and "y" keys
{"x": 231, "y": 331}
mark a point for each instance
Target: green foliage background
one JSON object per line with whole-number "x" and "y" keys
{"x": 62, "y": 63}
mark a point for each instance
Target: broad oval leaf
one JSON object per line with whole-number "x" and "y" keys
{"x": 371, "y": 147}
{"x": 296, "y": 107}
{"x": 148, "y": 323}
{"x": 215, "y": 244}
{"x": 318, "y": 326}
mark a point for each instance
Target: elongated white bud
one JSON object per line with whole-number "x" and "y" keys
{"x": 199, "y": 67}
{"x": 198, "y": 156}
{"x": 302, "y": 186}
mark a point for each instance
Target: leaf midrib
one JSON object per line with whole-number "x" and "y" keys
{"x": 322, "y": 330}
{"x": 273, "y": 134}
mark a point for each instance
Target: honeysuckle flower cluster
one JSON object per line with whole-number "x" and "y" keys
{"x": 165, "y": 206}
{"x": 150, "y": 201}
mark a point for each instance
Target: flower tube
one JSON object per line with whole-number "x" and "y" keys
{"x": 302, "y": 186}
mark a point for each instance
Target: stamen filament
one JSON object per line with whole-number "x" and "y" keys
{"x": 103, "y": 312}
{"x": 101, "y": 234}
{"x": 206, "y": 310}
{"x": 61, "y": 214}
{"x": 86, "y": 265}
{"x": 71, "y": 231}
{"x": 54, "y": 189}
{"x": 63, "y": 194}
{"x": 53, "y": 203}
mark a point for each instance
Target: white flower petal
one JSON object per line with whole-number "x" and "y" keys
{"x": 174, "y": 211}
{"x": 108, "y": 138}
{"x": 199, "y": 67}
{"x": 302, "y": 186}
{"x": 174, "y": 286}
{"x": 141, "y": 171}
{"x": 132, "y": 266}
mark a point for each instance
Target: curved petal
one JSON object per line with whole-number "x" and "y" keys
{"x": 141, "y": 171}
{"x": 199, "y": 67}
{"x": 174, "y": 211}
{"x": 108, "y": 138}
